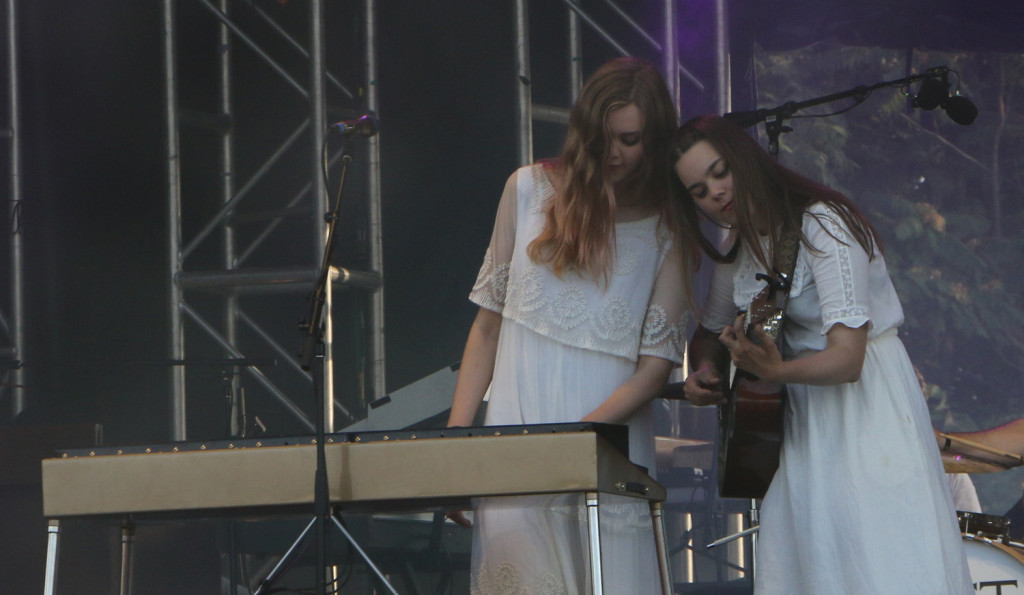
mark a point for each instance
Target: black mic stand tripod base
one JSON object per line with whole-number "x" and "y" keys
{"x": 322, "y": 520}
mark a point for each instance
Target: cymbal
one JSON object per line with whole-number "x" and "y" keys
{"x": 958, "y": 463}
{"x": 983, "y": 459}
{"x": 682, "y": 452}
{"x": 668, "y": 445}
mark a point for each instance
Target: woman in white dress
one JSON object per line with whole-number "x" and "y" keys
{"x": 582, "y": 316}
{"x": 859, "y": 503}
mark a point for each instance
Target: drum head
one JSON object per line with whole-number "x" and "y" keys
{"x": 995, "y": 567}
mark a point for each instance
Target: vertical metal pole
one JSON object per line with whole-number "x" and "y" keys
{"x": 670, "y": 53}
{"x": 723, "y": 72}
{"x": 17, "y": 258}
{"x": 735, "y": 550}
{"x": 175, "y": 298}
{"x": 575, "y": 55}
{"x": 52, "y": 547}
{"x": 328, "y": 392}
{"x": 227, "y": 190}
{"x": 127, "y": 553}
{"x": 376, "y": 339}
{"x": 318, "y": 119}
{"x": 594, "y": 532}
{"x": 525, "y": 113}
{"x": 658, "y": 521}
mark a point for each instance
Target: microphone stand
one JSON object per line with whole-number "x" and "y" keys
{"x": 774, "y": 117}
{"x": 312, "y": 346}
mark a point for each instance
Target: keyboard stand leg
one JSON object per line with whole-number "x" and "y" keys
{"x": 658, "y": 519}
{"x": 127, "y": 553}
{"x": 594, "y": 530}
{"x": 53, "y": 536}
{"x": 297, "y": 548}
{"x": 300, "y": 545}
{"x": 363, "y": 555}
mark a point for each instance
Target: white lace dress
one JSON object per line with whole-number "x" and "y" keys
{"x": 565, "y": 345}
{"x": 860, "y": 503}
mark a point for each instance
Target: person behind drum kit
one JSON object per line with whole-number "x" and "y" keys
{"x": 859, "y": 472}
{"x": 583, "y": 304}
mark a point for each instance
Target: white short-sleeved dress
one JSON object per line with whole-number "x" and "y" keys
{"x": 565, "y": 345}
{"x": 859, "y": 503}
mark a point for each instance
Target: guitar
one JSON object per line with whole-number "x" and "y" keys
{"x": 750, "y": 421}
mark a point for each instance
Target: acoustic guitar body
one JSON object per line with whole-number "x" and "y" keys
{"x": 749, "y": 436}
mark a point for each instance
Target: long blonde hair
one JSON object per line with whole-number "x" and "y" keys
{"x": 579, "y": 229}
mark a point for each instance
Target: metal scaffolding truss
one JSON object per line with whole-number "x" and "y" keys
{"x": 217, "y": 257}
{"x": 249, "y": 262}
{"x": 12, "y": 334}
{"x": 607, "y": 23}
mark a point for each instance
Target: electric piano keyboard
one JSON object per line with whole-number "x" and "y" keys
{"x": 366, "y": 472}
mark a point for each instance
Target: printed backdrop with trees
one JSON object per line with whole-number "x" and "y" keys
{"x": 948, "y": 201}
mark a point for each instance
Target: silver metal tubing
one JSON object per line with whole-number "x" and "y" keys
{"x": 281, "y": 565}
{"x": 634, "y": 25}
{"x": 272, "y": 280}
{"x": 524, "y": 117}
{"x": 226, "y": 208}
{"x": 376, "y": 338}
{"x": 177, "y": 333}
{"x": 227, "y": 181}
{"x": 575, "y": 59}
{"x": 594, "y": 532}
{"x": 731, "y": 538}
{"x": 550, "y": 113}
{"x": 52, "y": 543}
{"x": 296, "y": 199}
{"x": 365, "y": 557}
{"x": 127, "y": 555}
{"x": 251, "y": 370}
{"x": 17, "y": 333}
{"x": 298, "y": 47}
{"x": 223, "y": 18}
{"x": 670, "y": 57}
{"x": 658, "y": 521}
{"x": 574, "y": 6}
{"x": 722, "y": 58}
{"x": 287, "y": 357}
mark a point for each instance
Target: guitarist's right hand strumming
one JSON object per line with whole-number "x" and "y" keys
{"x": 706, "y": 385}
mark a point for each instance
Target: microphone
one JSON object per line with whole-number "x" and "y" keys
{"x": 934, "y": 92}
{"x": 747, "y": 119}
{"x": 961, "y": 110}
{"x": 362, "y": 126}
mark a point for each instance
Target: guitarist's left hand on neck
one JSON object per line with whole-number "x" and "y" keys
{"x": 760, "y": 356}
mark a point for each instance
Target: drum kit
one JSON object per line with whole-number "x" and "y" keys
{"x": 996, "y": 561}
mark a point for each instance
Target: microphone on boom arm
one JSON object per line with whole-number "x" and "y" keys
{"x": 934, "y": 92}
{"x": 365, "y": 125}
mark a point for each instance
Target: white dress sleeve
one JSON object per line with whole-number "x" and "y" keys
{"x": 491, "y": 284}
{"x": 666, "y": 324}
{"x": 840, "y": 267}
{"x": 719, "y": 308}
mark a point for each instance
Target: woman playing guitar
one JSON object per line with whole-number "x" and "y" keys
{"x": 859, "y": 503}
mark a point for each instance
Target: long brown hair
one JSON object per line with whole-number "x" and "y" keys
{"x": 579, "y": 229}
{"x": 766, "y": 194}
